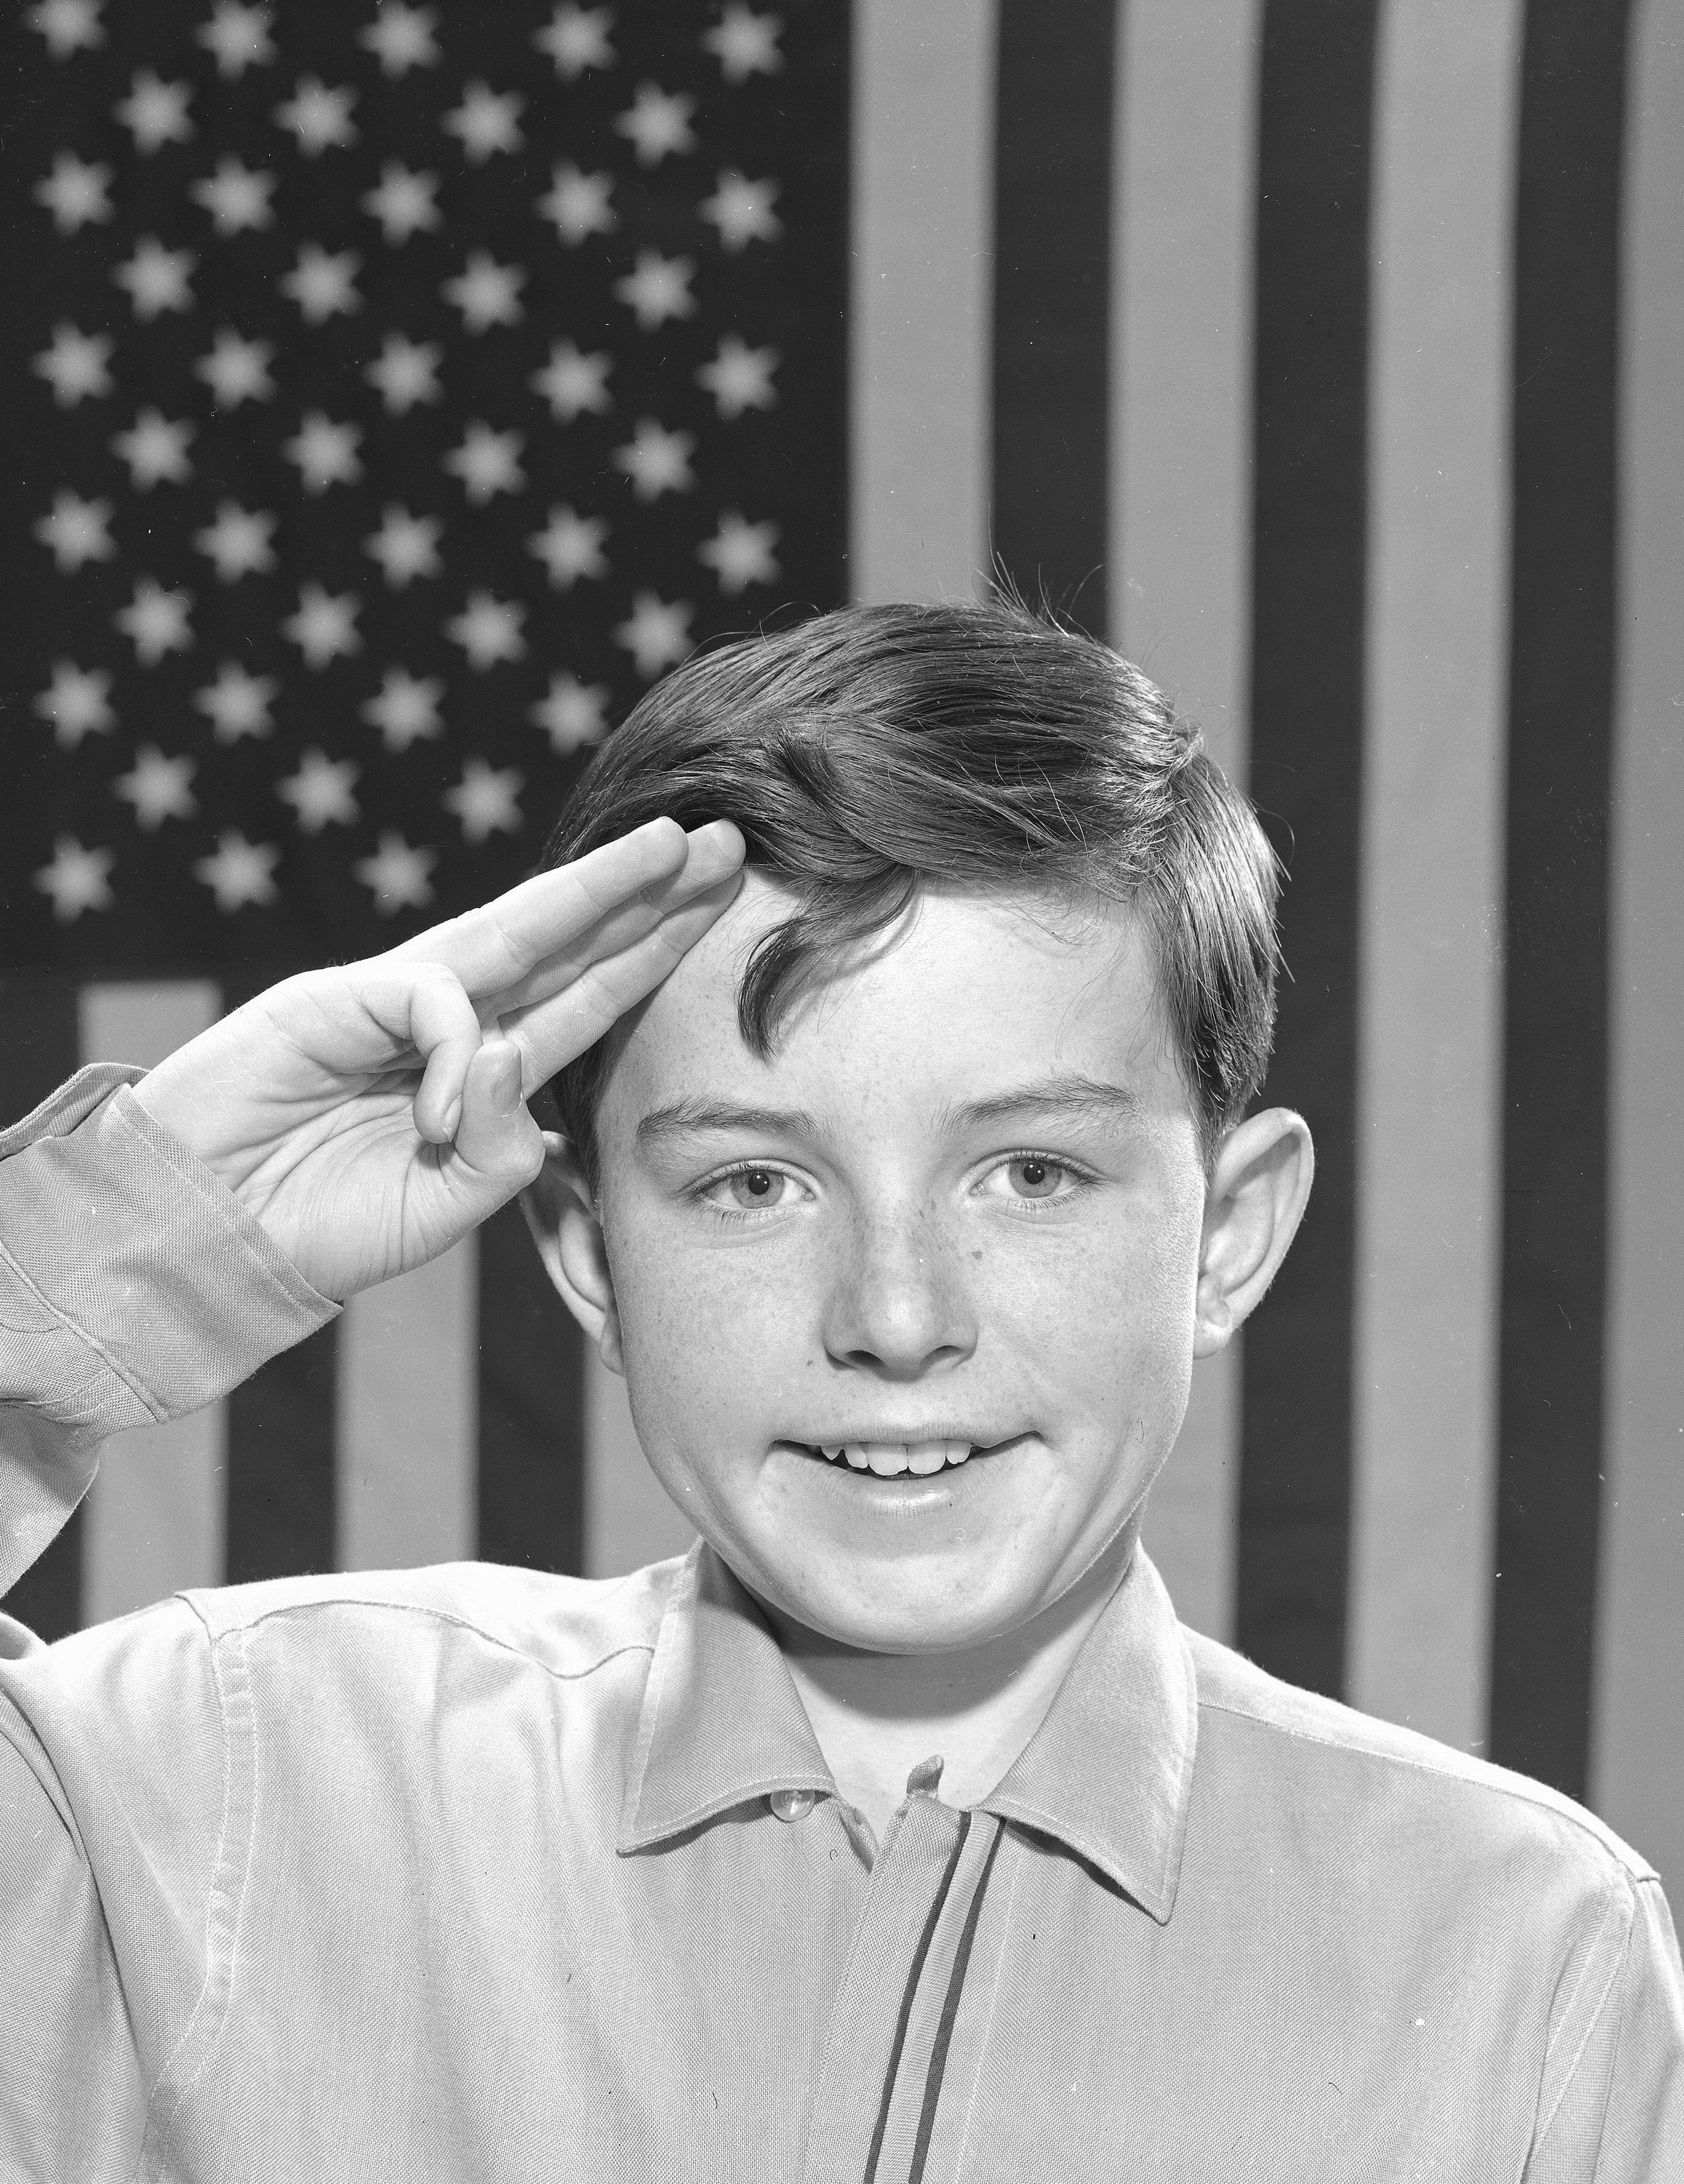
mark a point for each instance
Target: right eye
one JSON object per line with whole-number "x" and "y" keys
{"x": 753, "y": 1188}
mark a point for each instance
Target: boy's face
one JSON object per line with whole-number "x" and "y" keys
{"x": 962, "y": 1201}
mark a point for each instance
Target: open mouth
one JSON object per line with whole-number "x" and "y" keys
{"x": 892, "y": 1459}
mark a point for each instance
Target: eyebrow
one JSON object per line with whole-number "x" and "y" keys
{"x": 1064, "y": 1092}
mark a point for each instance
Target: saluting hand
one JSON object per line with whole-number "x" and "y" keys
{"x": 370, "y": 1116}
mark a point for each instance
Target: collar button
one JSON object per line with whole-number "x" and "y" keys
{"x": 792, "y": 1804}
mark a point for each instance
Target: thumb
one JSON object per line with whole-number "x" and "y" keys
{"x": 497, "y": 1140}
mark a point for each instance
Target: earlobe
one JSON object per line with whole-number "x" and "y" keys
{"x": 565, "y": 1226}
{"x": 1258, "y": 1193}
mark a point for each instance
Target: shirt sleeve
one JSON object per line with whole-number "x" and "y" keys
{"x": 133, "y": 1288}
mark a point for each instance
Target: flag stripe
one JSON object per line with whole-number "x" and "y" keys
{"x": 1639, "y": 1693}
{"x": 1183, "y": 175}
{"x": 1430, "y": 982}
{"x": 918, "y": 317}
{"x": 1311, "y": 286}
{"x": 531, "y": 1431}
{"x": 1051, "y": 303}
{"x": 1556, "y": 1003}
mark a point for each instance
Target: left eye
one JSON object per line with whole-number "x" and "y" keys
{"x": 752, "y": 1189}
{"x": 1032, "y": 1179}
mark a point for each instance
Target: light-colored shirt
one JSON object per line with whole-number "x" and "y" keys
{"x": 473, "y": 1874}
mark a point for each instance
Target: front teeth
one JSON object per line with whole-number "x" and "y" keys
{"x": 889, "y": 1458}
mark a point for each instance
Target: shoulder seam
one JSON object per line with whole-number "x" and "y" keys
{"x": 433, "y": 1614}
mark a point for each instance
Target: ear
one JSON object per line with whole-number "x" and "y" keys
{"x": 1252, "y": 1211}
{"x": 568, "y": 1232}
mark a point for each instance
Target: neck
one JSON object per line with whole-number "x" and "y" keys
{"x": 877, "y": 1715}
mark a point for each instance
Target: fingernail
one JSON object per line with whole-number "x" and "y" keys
{"x": 453, "y": 1115}
{"x": 506, "y": 1091}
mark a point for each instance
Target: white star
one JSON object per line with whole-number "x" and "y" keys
{"x": 319, "y": 114}
{"x": 578, "y": 203}
{"x": 155, "y": 449}
{"x": 659, "y": 289}
{"x": 67, "y": 25}
{"x": 488, "y": 630}
{"x": 325, "y": 452}
{"x": 398, "y": 875}
{"x": 657, "y": 122}
{"x": 156, "y": 112}
{"x": 76, "y": 878}
{"x": 744, "y": 43}
{"x": 237, "y": 370}
{"x": 484, "y": 801}
{"x": 238, "y": 703}
{"x": 741, "y": 554}
{"x": 75, "y": 193}
{"x": 576, "y": 39}
{"x": 402, "y": 38}
{"x": 657, "y": 461}
{"x": 739, "y": 378}
{"x": 241, "y": 871}
{"x": 238, "y": 542}
{"x": 487, "y": 463}
{"x": 320, "y": 791}
{"x": 236, "y": 196}
{"x": 78, "y": 704}
{"x": 238, "y": 36}
{"x": 405, "y": 546}
{"x": 405, "y": 372}
{"x": 158, "y": 788}
{"x": 324, "y": 281}
{"x": 76, "y": 365}
{"x": 572, "y": 714}
{"x": 77, "y": 531}
{"x": 570, "y": 546}
{"x": 156, "y": 278}
{"x": 486, "y": 121}
{"x": 486, "y": 293}
{"x": 406, "y": 709}
{"x": 742, "y": 210}
{"x": 157, "y": 621}
{"x": 325, "y": 626}
{"x": 571, "y": 381}
{"x": 404, "y": 202}
{"x": 657, "y": 634}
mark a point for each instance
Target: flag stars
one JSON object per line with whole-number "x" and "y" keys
{"x": 739, "y": 378}
{"x": 77, "y": 879}
{"x": 237, "y": 542}
{"x": 325, "y": 626}
{"x": 572, "y": 714}
{"x": 76, "y": 365}
{"x": 238, "y": 36}
{"x": 405, "y": 372}
{"x": 658, "y": 289}
{"x": 488, "y": 630}
{"x": 405, "y": 710}
{"x": 237, "y": 370}
{"x": 487, "y": 463}
{"x": 742, "y": 210}
{"x": 239, "y": 872}
{"x": 487, "y": 121}
{"x": 406, "y": 546}
{"x": 319, "y": 791}
{"x": 656, "y": 461}
{"x": 78, "y": 704}
{"x": 155, "y": 113}
{"x": 319, "y": 115}
{"x": 578, "y": 203}
{"x": 238, "y": 703}
{"x": 236, "y": 196}
{"x": 740, "y": 553}
{"x": 323, "y": 283}
{"x": 77, "y": 531}
{"x": 75, "y": 193}
{"x": 744, "y": 44}
{"x": 657, "y": 122}
{"x": 576, "y": 39}
{"x": 155, "y": 449}
{"x": 158, "y": 788}
{"x": 67, "y": 25}
{"x": 657, "y": 634}
{"x": 396, "y": 875}
{"x": 402, "y": 38}
{"x": 156, "y": 621}
{"x": 485, "y": 293}
{"x": 156, "y": 278}
{"x": 485, "y": 801}
{"x": 570, "y": 546}
{"x": 403, "y": 203}
{"x": 571, "y": 382}
{"x": 325, "y": 452}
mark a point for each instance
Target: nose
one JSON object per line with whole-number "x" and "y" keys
{"x": 898, "y": 1304}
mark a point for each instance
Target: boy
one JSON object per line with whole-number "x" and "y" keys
{"x": 898, "y": 1832}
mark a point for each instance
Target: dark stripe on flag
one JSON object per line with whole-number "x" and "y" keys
{"x": 40, "y": 1046}
{"x": 1309, "y": 518}
{"x": 1052, "y": 300}
{"x": 531, "y": 1490}
{"x": 1560, "y": 750}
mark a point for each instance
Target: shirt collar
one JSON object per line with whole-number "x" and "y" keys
{"x": 1108, "y": 1773}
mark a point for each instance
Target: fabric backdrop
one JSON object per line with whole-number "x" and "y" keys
{"x": 397, "y": 390}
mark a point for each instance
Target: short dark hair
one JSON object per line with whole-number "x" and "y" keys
{"x": 866, "y": 751}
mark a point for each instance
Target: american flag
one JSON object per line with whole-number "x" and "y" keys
{"x": 400, "y": 388}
